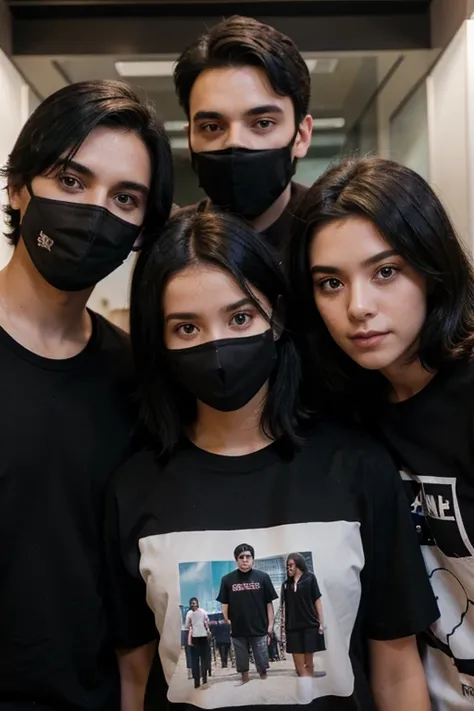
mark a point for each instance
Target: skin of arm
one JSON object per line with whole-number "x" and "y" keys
{"x": 135, "y": 665}
{"x": 225, "y": 612}
{"x": 397, "y": 675}
{"x": 189, "y": 626}
{"x": 319, "y": 612}
{"x": 271, "y": 616}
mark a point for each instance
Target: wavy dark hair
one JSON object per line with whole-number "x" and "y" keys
{"x": 222, "y": 240}
{"x": 240, "y": 42}
{"x": 61, "y": 123}
{"x": 410, "y": 217}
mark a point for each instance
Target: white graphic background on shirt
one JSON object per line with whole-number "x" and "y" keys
{"x": 174, "y": 564}
{"x": 449, "y": 558}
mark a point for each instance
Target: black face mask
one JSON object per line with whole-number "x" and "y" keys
{"x": 225, "y": 374}
{"x": 74, "y": 246}
{"x": 244, "y": 181}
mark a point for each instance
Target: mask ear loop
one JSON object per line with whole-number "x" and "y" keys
{"x": 277, "y": 320}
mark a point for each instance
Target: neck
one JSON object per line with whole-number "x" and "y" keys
{"x": 231, "y": 433}
{"x": 270, "y": 216}
{"x": 297, "y": 575}
{"x": 49, "y": 322}
{"x": 407, "y": 379}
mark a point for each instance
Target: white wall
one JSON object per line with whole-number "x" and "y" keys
{"x": 309, "y": 169}
{"x": 16, "y": 104}
{"x": 409, "y": 142}
{"x": 450, "y": 96}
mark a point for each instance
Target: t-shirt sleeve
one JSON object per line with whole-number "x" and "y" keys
{"x": 397, "y": 597}
{"x": 131, "y": 621}
{"x": 270, "y": 592}
{"x": 315, "y": 591}
{"x": 188, "y": 620}
{"x": 223, "y": 596}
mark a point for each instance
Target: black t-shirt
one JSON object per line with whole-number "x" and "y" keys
{"x": 299, "y": 599}
{"x": 338, "y": 501}
{"x": 277, "y": 236}
{"x": 432, "y": 436}
{"x": 247, "y": 595}
{"x": 65, "y": 426}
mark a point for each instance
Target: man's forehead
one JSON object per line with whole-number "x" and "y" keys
{"x": 235, "y": 90}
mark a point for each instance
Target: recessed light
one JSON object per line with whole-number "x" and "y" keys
{"x": 160, "y": 68}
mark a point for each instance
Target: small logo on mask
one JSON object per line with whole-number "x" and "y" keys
{"x": 45, "y": 241}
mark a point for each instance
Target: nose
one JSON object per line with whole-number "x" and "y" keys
{"x": 362, "y": 302}
{"x": 234, "y": 136}
{"x": 98, "y": 195}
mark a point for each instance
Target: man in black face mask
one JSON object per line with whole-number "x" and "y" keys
{"x": 245, "y": 89}
{"x": 89, "y": 177}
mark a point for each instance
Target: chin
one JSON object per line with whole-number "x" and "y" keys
{"x": 374, "y": 361}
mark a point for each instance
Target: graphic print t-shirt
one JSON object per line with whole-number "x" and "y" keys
{"x": 299, "y": 603}
{"x": 338, "y": 500}
{"x": 432, "y": 435}
{"x": 247, "y": 595}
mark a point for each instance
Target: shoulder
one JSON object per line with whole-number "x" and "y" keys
{"x": 137, "y": 475}
{"x": 331, "y": 437}
{"x": 109, "y": 336}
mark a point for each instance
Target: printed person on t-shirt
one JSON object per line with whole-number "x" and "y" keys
{"x": 197, "y": 624}
{"x": 246, "y": 596}
{"x": 303, "y": 614}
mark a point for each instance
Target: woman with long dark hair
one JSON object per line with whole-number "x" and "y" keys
{"x": 302, "y": 613}
{"x": 385, "y": 294}
{"x": 230, "y": 460}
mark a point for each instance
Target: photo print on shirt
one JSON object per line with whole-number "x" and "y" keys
{"x": 203, "y": 669}
{"x": 449, "y": 557}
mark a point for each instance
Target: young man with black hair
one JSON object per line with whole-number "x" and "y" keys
{"x": 246, "y": 596}
{"x": 89, "y": 177}
{"x": 245, "y": 89}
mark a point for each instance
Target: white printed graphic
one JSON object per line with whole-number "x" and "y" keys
{"x": 189, "y": 566}
{"x": 449, "y": 558}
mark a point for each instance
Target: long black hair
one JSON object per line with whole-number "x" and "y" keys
{"x": 409, "y": 216}
{"x": 227, "y": 242}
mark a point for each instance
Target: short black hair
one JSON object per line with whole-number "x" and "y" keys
{"x": 242, "y": 548}
{"x": 298, "y": 560}
{"x": 62, "y": 122}
{"x": 410, "y": 217}
{"x": 240, "y": 42}
{"x": 193, "y": 599}
{"x": 227, "y": 242}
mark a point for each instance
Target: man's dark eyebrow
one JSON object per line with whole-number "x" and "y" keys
{"x": 63, "y": 163}
{"x": 322, "y": 269}
{"x": 74, "y": 165}
{"x": 255, "y": 111}
{"x": 131, "y": 185}
{"x": 265, "y": 109}
{"x": 200, "y": 115}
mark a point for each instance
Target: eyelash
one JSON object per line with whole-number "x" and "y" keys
{"x": 206, "y": 126}
{"x": 323, "y": 284}
{"x": 64, "y": 176}
{"x": 178, "y": 328}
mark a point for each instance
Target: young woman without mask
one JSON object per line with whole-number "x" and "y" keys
{"x": 219, "y": 377}
{"x": 386, "y": 296}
